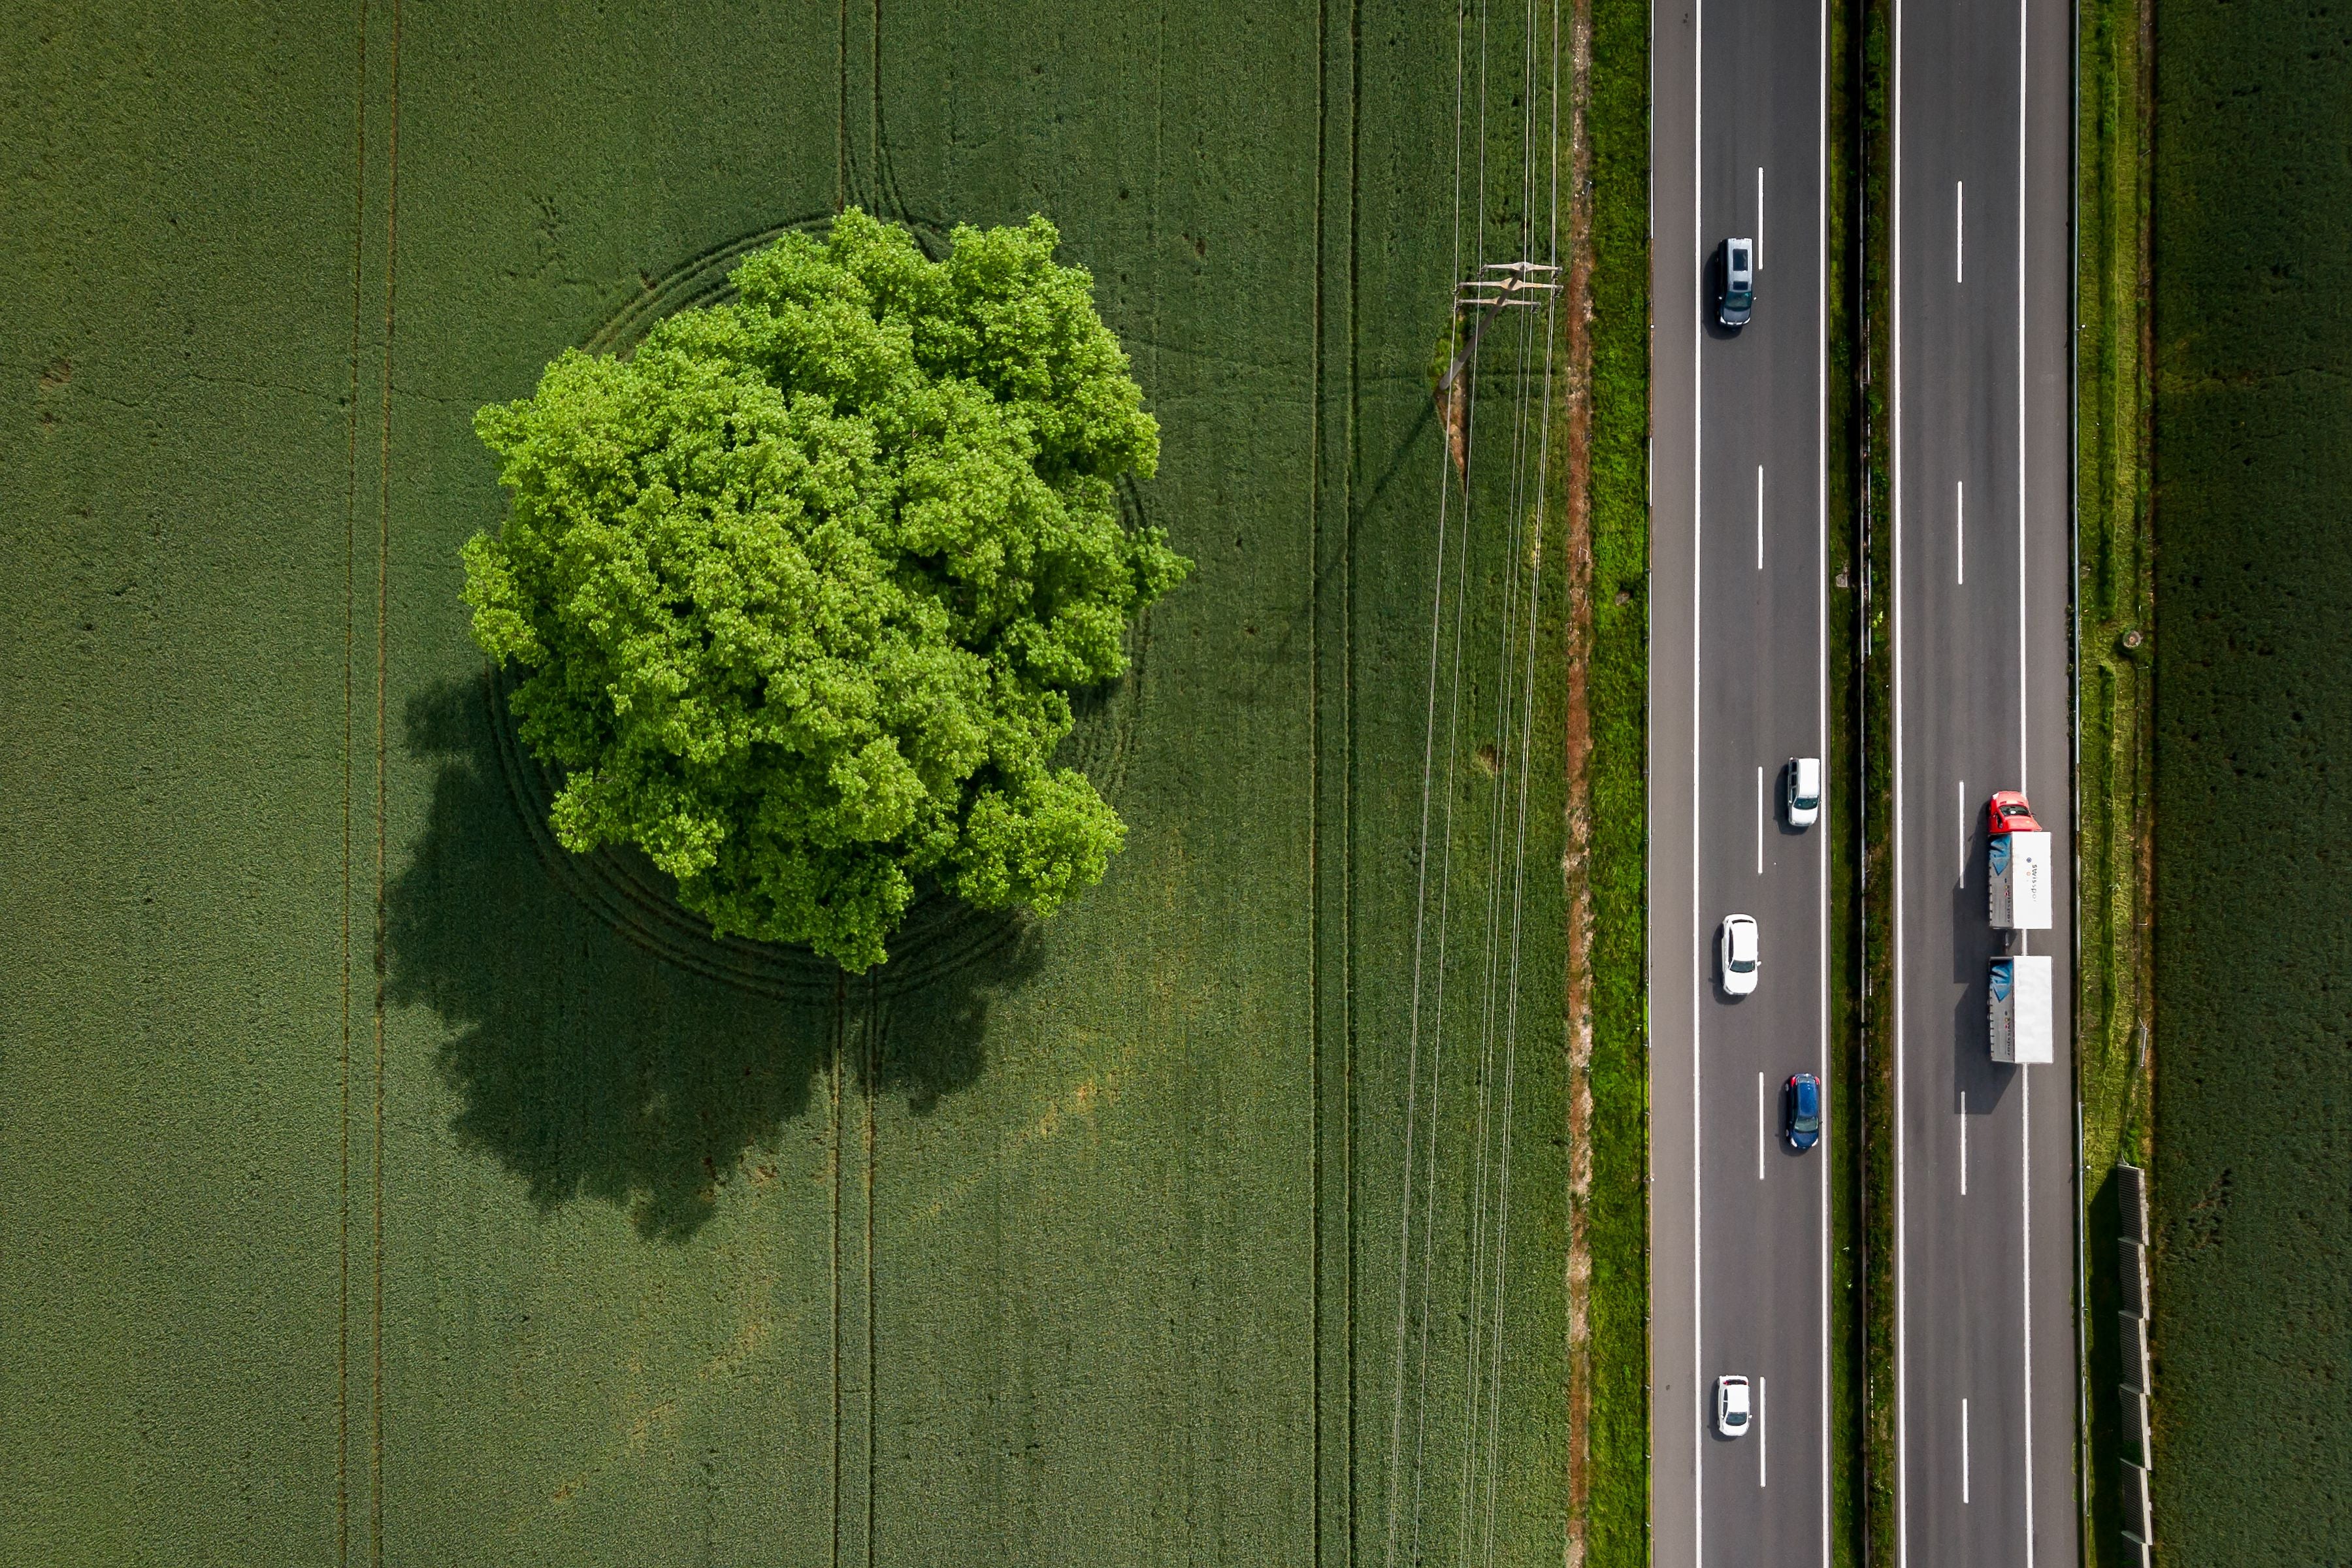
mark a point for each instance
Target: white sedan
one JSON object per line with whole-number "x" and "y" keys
{"x": 1732, "y": 1405}
{"x": 1734, "y": 946}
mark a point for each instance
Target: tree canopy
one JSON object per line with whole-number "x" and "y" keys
{"x": 797, "y": 595}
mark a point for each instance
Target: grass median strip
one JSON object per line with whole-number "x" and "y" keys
{"x": 1873, "y": 434}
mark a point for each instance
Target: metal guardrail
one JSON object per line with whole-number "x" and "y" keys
{"x": 2138, "y": 1387}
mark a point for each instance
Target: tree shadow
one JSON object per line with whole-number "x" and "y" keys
{"x": 589, "y": 1065}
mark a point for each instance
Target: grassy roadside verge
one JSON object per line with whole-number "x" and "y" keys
{"x": 1872, "y": 47}
{"x": 1613, "y": 1207}
{"x": 2115, "y": 599}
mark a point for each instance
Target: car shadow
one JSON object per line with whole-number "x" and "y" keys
{"x": 590, "y": 1066}
{"x": 1975, "y": 944}
{"x": 1780, "y": 805}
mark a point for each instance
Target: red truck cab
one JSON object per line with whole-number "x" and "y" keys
{"x": 2009, "y": 812}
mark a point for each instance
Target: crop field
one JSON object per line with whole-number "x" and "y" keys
{"x": 2253, "y": 595}
{"x": 382, "y": 1183}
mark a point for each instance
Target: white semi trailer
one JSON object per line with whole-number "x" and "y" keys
{"x": 2018, "y": 1010}
{"x": 2017, "y": 887}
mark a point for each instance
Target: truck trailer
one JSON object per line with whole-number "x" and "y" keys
{"x": 2018, "y": 1010}
{"x": 2017, "y": 886}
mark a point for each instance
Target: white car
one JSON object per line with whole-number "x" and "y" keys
{"x": 1736, "y": 952}
{"x": 1803, "y": 799}
{"x": 1732, "y": 1405}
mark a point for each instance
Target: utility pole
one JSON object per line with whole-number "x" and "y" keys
{"x": 1499, "y": 286}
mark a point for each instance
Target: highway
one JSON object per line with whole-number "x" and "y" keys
{"x": 1739, "y": 1222}
{"x": 1984, "y": 1379}
{"x": 1985, "y": 1202}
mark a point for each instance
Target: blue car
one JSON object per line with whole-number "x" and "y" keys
{"x": 1801, "y": 1105}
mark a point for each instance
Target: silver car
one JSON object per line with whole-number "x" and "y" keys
{"x": 1803, "y": 798}
{"x": 1735, "y": 296}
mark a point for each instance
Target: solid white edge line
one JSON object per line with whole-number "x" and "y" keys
{"x": 1821, "y": 695}
{"x": 2025, "y": 1108}
{"x": 1650, "y": 835}
{"x": 2020, "y": 400}
{"x": 1698, "y": 422}
{"x": 2025, "y": 1247}
{"x": 1894, "y": 508}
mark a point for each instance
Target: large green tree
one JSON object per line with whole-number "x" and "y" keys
{"x": 798, "y": 594}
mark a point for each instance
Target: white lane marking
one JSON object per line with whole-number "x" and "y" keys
{"x": 1902, "y": 1269}
{"x": 2021, "y": 583}
{"x": 1959, "y": 231}
{"x": 1960, "y": 534}
{"x": 1763, "y": 1433}
{"x": 1699, "y": 642}
{"x": 1960, "y": 798}
{"x": 1963, "y": 1143}
{"x": 1760, "y": 1125}
{"x": 1964, "y": 1451}
{"x": 2025, "y": 1247}
{"x": 2025, "y": 1096}
{"x": 1760, "y": 516}
{"x": 1760, "y": 819}
{"x": 1821, "y": 695}
{"x": 1757, "y": 258}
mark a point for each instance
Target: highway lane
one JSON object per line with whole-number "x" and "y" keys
{"x": 1738, "y": 594}
{"x": 1985, "y": 1159}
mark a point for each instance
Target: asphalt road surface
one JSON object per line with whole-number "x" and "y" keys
{"x": 1985, "y": 1202}
{"x": 1739, "y": 1223}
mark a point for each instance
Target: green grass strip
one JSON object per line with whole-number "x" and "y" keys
{"x": 1617, "y": 1218}
{"x": 2116, "y": 600}
{"x": 1843, "y": 493}
{"x": 1872, "y": 142}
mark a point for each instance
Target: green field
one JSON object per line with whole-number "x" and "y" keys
{"x": 382, "y": 1184}
{"x": 2254, "y": 916}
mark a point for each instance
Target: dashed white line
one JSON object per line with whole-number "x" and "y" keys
{"x": 1760, "y": 819}
{"x": 1759, "y": 1126}
{"x": 1964, "y": 1451}
{"x": 1763, "y": 1432}
{"x": 1760, "y": 516}
{"x": 1961, "y": 799}
{"x": 1961, "y": 532}
{"x": 1959, "y": 232}
{"x": 1963, "y": 1143}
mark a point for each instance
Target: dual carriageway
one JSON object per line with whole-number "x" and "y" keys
{"x": 1986, "y": 1384}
